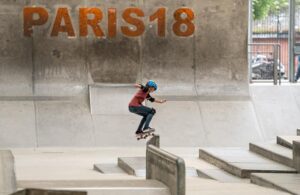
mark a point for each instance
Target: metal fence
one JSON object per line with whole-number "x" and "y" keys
{"x": 265, "y": 62}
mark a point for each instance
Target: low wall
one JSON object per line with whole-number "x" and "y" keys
{"x": 48, "y": 192}
{"x": 166, "y": 168}
{"x": 7, "y": 173}
{"x": 296, "y": 155}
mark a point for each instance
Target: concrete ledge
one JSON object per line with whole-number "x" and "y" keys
{"x": 7, "y": 172}
{"x": 133, "y": 165}
{"x": 287, "y": 141}
{"x": 166, "y": 168}
{"x": 48, "y": 192}
{"x": 221, "y": 164}
{"x": 296, "y": 155}
{"x": 283, "y": 142}
{"x": 273, "y": 152}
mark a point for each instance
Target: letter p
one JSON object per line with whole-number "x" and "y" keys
{"x": 30, "y": 21}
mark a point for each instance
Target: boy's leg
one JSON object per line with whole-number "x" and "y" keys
{"x": 140, "y": 128}
{"x": 149, "y": 118}
{"x": 137, "y": 111}
{"x": 298, "y": 73}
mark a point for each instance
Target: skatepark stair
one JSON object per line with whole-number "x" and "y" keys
{"x": 287, "y": 141}
{"x": 241, "y": 162}
{"x": 273, "y": 152}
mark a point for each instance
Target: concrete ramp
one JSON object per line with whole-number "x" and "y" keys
{"x": 7, "y": 173}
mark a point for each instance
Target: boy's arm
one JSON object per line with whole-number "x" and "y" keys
{"x": 151, "y": 99}
{"x": 160, "y": 101}
{"x": 140, "y": 86}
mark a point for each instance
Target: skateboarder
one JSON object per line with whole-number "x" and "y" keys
{"x": 136, "y": 106}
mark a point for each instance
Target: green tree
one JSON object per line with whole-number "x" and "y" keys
{"x": 261, "y": 8}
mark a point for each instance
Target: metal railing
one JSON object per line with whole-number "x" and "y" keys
{"x": 265, "y": 63}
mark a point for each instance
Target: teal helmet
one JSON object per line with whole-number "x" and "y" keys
{"x": 151, "y": 83}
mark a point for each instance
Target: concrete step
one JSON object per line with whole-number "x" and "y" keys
{"x": 219, "y": 175}
{"x": 209, "y": 171}
{"x": 241, "y": 162}
{"x": 133, "y": 165}
{"x": 286, "y": 182}
{"x": 109, "y": 169}
{"x": 111, "y": 187}
{"x": 273, "y": 152}
{"x": 137, "y": 166}
{"x": 287, "y": 141}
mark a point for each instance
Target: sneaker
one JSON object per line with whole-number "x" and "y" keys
{"x": 149, "y": 129}
{"x": 138, "y": 132}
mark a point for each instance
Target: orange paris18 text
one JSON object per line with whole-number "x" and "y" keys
{"x": 91, "y": 18}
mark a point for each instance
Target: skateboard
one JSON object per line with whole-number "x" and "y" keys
{"x": 145, "y": 135}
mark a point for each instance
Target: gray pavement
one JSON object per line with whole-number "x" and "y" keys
{"x": 284, "y": 182}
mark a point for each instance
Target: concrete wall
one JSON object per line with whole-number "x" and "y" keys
{"x": 46, "y": 101}
{"x": 211, "y": 62}
{"x": 166, "y": 168}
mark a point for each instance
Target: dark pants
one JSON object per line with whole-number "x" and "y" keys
{"x": 147, "y": 114}
{"x": 298, "y": 73}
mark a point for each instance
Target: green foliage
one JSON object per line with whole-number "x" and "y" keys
{"x": 261, "y": 8}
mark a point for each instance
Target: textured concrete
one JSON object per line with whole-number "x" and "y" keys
{"x": 287, "y": 141}
{"x": 285, "y": 182}
{"x": 241, "y": 162}
{"x": 64, "y": 66}
{"x": 296, "y": 155}
{"x": 218, "y": 68}
{"x": 273, "y": 152}
{"x": 7, "y": 173}
{"x": 166, "y": 168}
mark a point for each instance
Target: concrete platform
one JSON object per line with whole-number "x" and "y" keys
{"x": 111, "y": 187}
{"x": 109, "y": 169}
{"x": 287, "y": 141}
{"x": 273, "y": 152}
{"x": 241, "y": 162}
{"x": 286, "y": 182}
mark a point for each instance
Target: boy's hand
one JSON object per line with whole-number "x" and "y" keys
{"x": 137, "y": 85}
{"x": 162, "y": 101}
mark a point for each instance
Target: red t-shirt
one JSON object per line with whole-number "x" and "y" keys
{"x": 140, "y": 97}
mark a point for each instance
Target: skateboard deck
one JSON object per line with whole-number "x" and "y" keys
{"x": 145, "y": 135}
